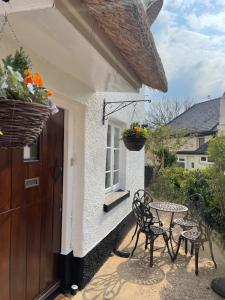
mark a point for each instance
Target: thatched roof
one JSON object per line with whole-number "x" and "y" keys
{"x": 127, "y": 23}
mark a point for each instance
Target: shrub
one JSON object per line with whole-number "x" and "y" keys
{"x": 177, "y": 184}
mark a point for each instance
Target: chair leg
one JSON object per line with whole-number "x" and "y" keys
{"x": 146, "y": 242}
{"x": 196, "y": 259}
{"x": 135, "y": 231}
{"x": 211, "y": 252}
{"x": 135, "y": 246}
{"x": 178, "y": 247}
{"x": 192, "y": 248}
{"x": 151, "y": 251}
{"x": 186, "y": 246}
{"x": 168, "y": 248}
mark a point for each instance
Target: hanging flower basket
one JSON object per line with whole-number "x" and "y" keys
{"x": 134, "y": 143}
{"x": 21, "y": 122}
{"x": 24, "y": 102}
{"x": 135, "y": 137}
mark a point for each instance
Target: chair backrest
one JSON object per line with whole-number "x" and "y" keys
{"x": 144, "y": 196}
{"x": 196, "y": 206}
{"x": 142, "y": 214}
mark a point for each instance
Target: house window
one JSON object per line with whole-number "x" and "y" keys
{"x": 181, "y": 162}
{"x": 201, "y": 141}
{"x": 112, "y": 173}
{"x": 193, "y": 165}
{"x": 203, "y": 158}
{"x": 32, "y": 153}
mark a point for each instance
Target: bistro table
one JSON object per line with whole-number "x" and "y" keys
{"x": 161, "y": 206}
{"x": 170, "y": 208}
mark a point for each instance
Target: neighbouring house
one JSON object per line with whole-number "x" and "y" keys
{"x": 65, "y": 202}
{"x": 201, "y": 123}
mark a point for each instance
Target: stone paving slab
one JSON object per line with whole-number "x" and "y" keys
{"x": 133, "y": 279}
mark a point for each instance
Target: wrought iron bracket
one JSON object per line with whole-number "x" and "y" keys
{"x": 120, "y": 105}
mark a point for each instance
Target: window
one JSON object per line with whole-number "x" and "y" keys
{"x": 201, "y": 141}
{"x": 112, "y": 173}
{"x": 193, "y": 165}
{"x": 32, "y": 153}
{"x": 181, "y": 162}
{"x": 206, "y": 159}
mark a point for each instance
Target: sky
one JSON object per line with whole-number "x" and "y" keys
{"x": 190, "y": 38}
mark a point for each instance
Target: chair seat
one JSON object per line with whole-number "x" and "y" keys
{"x": 191, "y": 235}
{"x": 185, "y": 223}
{"x": 157, "y": 230}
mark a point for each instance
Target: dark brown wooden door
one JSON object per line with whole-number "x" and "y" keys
{"x": 31, "y": 215}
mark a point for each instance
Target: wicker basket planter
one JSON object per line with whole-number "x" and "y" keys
{"x": 134, "y": 143}
{"x": 21, "y": 122}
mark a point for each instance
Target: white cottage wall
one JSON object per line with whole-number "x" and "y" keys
{"x": 97, "y": 224}
{"x": 84, "y": 222}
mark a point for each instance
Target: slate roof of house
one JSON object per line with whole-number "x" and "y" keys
{"x": 201, "y": 118}
{"x": 200, "y": 151}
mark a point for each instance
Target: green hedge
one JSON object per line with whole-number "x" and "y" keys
{"x": 177, "y": 184}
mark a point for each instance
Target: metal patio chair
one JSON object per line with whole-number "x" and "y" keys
{"x": 145, "y": 197}
{"x": 146, "y": 226}
{"x": 199, "y": 234}
{"x": 194, "y": 203}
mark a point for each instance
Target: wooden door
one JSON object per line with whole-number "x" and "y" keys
{"x": 31, "y": 181}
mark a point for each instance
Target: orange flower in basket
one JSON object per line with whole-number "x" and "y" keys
{"x": 38, "y": 80}
{"x": 50, "y": 93}
{"x": 28, "y": 79}
{"x": 137, "y": 129}
{"x": 28, "y": 73}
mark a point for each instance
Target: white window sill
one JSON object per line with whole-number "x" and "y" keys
{"x": 114, "y": 198}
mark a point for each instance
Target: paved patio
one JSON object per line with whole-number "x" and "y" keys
{"x": 133, "y": 279}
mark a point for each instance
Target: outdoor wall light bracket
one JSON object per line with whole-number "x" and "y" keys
{"x": 119, "y": 105}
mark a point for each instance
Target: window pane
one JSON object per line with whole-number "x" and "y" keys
{"x": 201, "y": 141}
{"x": 107, "y": 180}
{"x": 31, "y": 152}
{"x": 109, "y": 136}
{"x": 116, "y": 137}
{"x": 116, "y": 159}
{"x": 108, "y": 159}
{"x": 115, "y": 177}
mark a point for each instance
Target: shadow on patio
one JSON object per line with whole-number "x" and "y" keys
{"x": 133, "y": 279}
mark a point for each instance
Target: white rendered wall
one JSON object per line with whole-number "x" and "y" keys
{"x": 84, "y": 223}
{"x": 96, "y": 223}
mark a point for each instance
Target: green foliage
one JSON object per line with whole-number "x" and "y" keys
{"x": 169, "y": 157}
{"x": 177, "y": 184}
{"x": 162, "y": 145}
{"x": 19, "y": 61}
{"x": 216, "y": 151}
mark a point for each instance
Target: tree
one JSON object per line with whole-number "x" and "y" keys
{"x": 163, "y": 111}
{"x": 162, "y": 145}
{"x": 216, "y": 152}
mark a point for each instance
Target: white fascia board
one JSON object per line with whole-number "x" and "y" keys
{"x": 15, "y": 6}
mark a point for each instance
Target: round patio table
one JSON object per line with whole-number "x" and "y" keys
{"x": 170, "y": 208}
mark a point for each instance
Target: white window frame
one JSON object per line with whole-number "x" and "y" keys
{"x": 206, "y": 162}
{"x": 113, "y": 187}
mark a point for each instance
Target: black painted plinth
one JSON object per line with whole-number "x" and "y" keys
{"x": 218, "y": 286}
{"x": 80, "y": 270}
